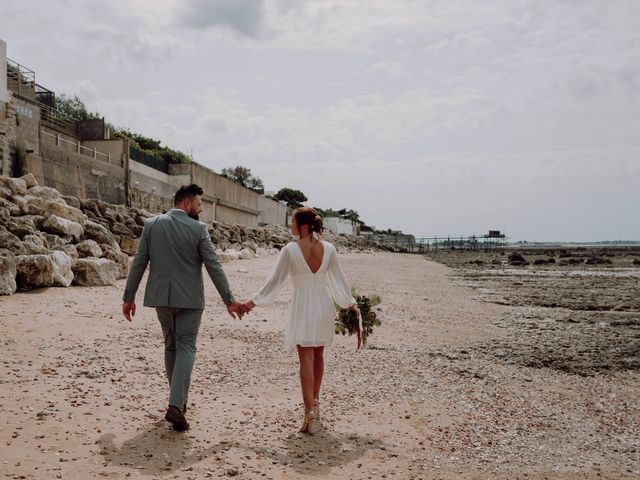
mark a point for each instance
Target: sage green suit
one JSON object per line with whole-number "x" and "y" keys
{"x": 176, "y": 246}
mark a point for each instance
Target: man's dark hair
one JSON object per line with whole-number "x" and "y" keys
{"x": 187, "y": 191}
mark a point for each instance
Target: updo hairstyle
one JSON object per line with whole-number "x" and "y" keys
{"x": 309, "y": 216}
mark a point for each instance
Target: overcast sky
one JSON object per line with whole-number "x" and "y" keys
{"x": 433, "y": 117}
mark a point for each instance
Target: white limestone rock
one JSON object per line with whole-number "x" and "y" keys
{"x": 63, "y": 227}
{"x": 62, "y": 273}
{"x": 34, "y": 271}
{"x": 90, "y": 272}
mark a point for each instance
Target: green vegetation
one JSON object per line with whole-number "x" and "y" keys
{"x": 293, "y": 198}
{"x": 244, "y": 177}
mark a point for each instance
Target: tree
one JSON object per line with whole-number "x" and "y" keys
{"x": 74, "y": 107}
{"x": 243, "y": 176}
{"x": 293, "y": 198}
{"x": 349, "y": 215}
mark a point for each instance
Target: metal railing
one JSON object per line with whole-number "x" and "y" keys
{"x": 473, "y": 243}
{"x": 77, "y": 147}
{"x": 21, "y": 80}
{"x": 58, "y": 120}
{"x": 150, "y": 161}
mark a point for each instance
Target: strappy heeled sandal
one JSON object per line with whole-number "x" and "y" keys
{"x": 316, "y": 408}
{"x": 311, "y": 424}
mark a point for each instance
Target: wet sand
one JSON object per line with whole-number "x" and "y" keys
{"x": 84, "y": 393}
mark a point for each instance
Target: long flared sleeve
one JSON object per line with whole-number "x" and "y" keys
{"x": 273, "y": 285}
{"x": 337, "y": 282}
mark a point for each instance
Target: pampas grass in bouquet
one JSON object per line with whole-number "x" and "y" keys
{"x": 347, "y": 318}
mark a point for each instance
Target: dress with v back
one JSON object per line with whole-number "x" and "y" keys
{"x": 312, "y": 312}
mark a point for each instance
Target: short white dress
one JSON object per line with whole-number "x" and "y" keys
{"x": 312, "y": 313}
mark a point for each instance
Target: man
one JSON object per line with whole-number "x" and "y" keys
{"x": 176, "y": 245}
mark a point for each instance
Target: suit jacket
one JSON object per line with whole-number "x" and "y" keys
{"x": 176, "y": 246}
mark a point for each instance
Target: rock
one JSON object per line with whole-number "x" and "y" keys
{"x": 30, "y": 180}
{"x": 516, "y": 259}
{"x": 54, "y": 241}
{"x": 62, "y": 210}
{"x": 636, "y": 261}
{"x": 597, "y": 261}
{"x": 129, "y": 245}
{"x": 45, "y": 193}
{"x": 98, "y": 232}
{"x": 7, "y": 273}
{"x": 4, "y": 215}
{"x": 63, "y": 227}
{"x": 246, "y": 254}
{"x": 17, "y": 185}
{"x": 88, "y": 248}
{"x": 10, "y": 242}
{"x": 62, "y": 273}
{"x": 71, "y": 201}
{"x": 34, "y": 245}
{"x": 5, "y": 192}
{"x": 35, "y": 205}
{"x": 122, "y": 230}
{"x": 21, "y": 228}
{"x": 121, "y": 259}
{"x": 34, "y": 271}
{"x": 21, "y": 202}
{"x": 90, "y": 272}
{"x": 13, "y": 209}
{"x": 69, "y": 249}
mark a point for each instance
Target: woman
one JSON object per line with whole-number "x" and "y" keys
{"x": 318, "y": 281}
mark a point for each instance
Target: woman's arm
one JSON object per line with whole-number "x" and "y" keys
{"x": 340, "y": 289}
{"x": 273, "y": 285}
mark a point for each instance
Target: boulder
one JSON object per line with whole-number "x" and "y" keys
{"x": 62, "y": 273}
{"x": 30, "y": 180}
{"x": 516, "y": 259}
{"x": 122, "y": 230}
{"x": 21, "y": 202}
{"x": 129, "y": 245}
{"x": 45, "y": 193}
{"x": 61, "y": 209}
{"x": 17, "y": 185}
{"x": 35, "y": 205}
{"x": 98, "y": 232}
{"x": 10, "y": 242}
{"x": 88, "y": 248}
{"x": 13, "y": 209}
{"x": 20, "y": 228}
{"x": 34, "y": 271}
{"x": 4, "y": 215}
{"x": 597, "y": 261}
{"x": 246, "y": 254}
{"x": 63, "y": 227}
{"x": 636, "y": 261}
{"x": 69, "y": 249}
{"x": 5, "y": 192}
{"x": 121, "y": 259}
{"x": 34, "y": 245}
{"x": 90, "y": 272}
{"x": 54, "y": 241}
{"x": 7, "y": 273}
{"x": 72, "y": 201}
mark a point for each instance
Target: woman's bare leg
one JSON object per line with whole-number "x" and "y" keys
{"x": 318, "y": 370}
{"x": 306, "y": 356}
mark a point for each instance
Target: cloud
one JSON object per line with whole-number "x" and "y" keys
{"x": 247, "y": 18}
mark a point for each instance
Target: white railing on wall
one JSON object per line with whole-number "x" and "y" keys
{"x": 81, "y": 149}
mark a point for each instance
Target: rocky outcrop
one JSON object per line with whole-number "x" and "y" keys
{"x": 90, "y": 241}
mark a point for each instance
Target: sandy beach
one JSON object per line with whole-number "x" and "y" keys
{"x": 84, "y": 393}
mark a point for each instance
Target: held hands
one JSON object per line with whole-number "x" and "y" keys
{"x": 236, "y": 310}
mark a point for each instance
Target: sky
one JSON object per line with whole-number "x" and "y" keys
{"x": 434, "y": 117}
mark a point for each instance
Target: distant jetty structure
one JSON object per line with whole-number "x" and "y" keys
{"x": 493, "y": 241}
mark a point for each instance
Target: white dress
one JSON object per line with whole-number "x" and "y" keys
{"x": 312, "y": 313}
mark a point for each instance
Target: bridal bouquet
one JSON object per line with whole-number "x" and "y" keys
{"x": 348, "y": 321}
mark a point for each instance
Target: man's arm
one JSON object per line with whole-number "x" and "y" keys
{"x": 138, "y": 266}
{"x": 214, "y": 267}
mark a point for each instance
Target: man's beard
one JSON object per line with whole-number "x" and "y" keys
{"x": 193, "y": 214}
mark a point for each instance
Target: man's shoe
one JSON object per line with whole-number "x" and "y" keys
{"x": 176, "y": 418}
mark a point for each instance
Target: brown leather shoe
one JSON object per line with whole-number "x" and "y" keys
{"x": 176, "y": 418}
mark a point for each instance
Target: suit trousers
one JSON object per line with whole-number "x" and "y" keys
{"x": 180, "y": 328}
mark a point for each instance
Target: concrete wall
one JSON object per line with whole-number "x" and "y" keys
{"x": 78, "y": 175}
{"x": 27, "y": 125}
{"x": 4, "y": 93}
{"x": 151, "y": 189}
{"x": 339, "y": 225}
{"x": 117, "y": 148}
{"x": 271, "y": 212}
{"x": 234, "y": 203}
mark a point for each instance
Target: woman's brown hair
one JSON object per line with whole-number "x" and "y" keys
{"x": 309, "y": 216}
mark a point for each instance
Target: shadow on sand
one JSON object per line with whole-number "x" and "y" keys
{"x": 156, "y": 450}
